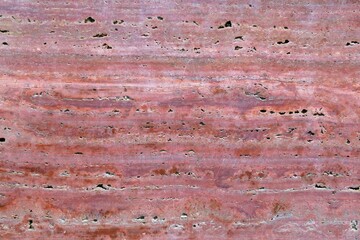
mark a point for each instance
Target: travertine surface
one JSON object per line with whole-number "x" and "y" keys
{"x": 179, "y": 119}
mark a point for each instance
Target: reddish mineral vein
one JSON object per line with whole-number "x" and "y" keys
{"x": 179, "y": 119}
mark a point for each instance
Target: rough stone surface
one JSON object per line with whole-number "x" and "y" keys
{"x": 179, "y": 119}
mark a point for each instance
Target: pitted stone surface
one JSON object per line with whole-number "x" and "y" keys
{"x": 179, "y": 119}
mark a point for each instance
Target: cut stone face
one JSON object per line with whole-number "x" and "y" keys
{"x": 179, "y": 119}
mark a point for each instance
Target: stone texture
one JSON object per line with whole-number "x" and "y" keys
{"x": 179, "y": 119}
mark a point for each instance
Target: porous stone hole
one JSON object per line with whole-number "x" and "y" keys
{"x": 106, "y": 46}
{"x": 263, "y": 110}
{"x": 2, "y": 139}
{"x": 30, "y": 224}
{"x": 102, "y": 186}
{"x": 354, "y": 225}
{"x": 197, "y": 50}
{"x": 228, "y": 24}
{"x": 100, "y": 35}
{"x": 89, "y": 19}
{"x": 160, "y": 18}
{"x": 118, "y": 21}
{"x": 320, "y": 185}
{"x": 109, "y": 173}
{"x": 284, "y": 42}
{"x": 238, "y": 47}
{"x": 78, "y": 153}
{"x": 5, "y": 43}
{"x": 319, "y": 114}
{"x": 352, "y": 43}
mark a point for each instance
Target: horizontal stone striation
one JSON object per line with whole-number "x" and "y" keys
{"x": 179, "y": 119}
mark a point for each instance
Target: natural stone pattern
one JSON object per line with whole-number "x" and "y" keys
{"x": 179, "y": 119}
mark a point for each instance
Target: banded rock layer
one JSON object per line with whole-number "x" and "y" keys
{"x": 179, "y": 119}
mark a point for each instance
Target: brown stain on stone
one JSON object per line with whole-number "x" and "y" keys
{"x": 160, "y": 171}
{"x": 174, "y": 170}
{"x": 112, "y": 232}
{"x": 279, "y": 207}
{"x": 218, "y": 90}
